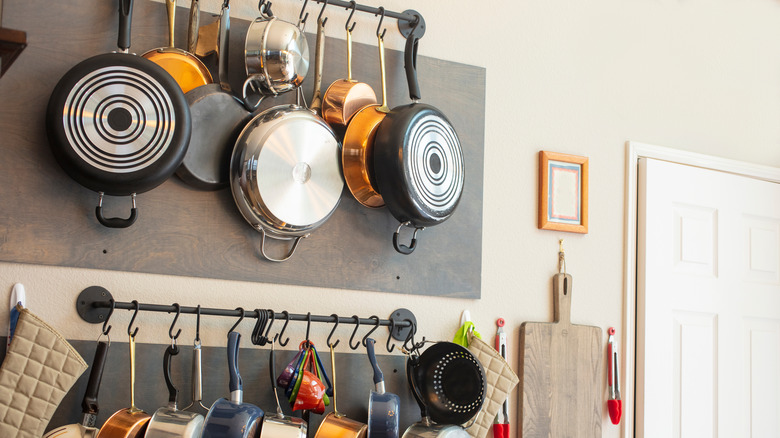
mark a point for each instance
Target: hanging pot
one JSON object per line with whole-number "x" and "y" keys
{"x": 345, "y": 97}
{"x": 188, "y": 71}
{"x": 118, "y": 124}
{"x": 284, "y": 172}
{"x": 89, "y": 405}
{"x": 418, "y": 160}
{"x": 276, "y": 57}
{"x": 336, "y": 425}
{"x": 357, "y": 156}
{"x": 130, "y": 422}
{"x": 217, "y": 118}
{"x": 279, "y": 425}
{"x": 169, "y": 422}
{"x": 232, "y": 418}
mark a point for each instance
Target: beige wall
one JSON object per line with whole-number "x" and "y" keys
{"x": 562, "y": 75}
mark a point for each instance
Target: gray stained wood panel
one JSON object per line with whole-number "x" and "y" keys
{"x": 47, "y": 218}
{"x": 354, "y": 380}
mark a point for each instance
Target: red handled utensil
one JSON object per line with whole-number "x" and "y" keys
{"x": 614, "y": 404}
{"x": 501, "y": 424}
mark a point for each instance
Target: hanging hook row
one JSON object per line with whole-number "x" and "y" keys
{"x": 402, "y": 16}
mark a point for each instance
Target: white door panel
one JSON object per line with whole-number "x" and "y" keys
{"x": 708, "y": 303}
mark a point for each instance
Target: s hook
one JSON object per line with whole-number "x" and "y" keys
{"x": 239, "y": 320}
{"x": 319, "y": 17}
{"x": 106, "y": 327}
{"x": 389, "y": 347}
{"x": 353, "y": 6}
{"x": 336, "y": 318}
{"x": 376, "y": 326}
{"x": 173, "y": 324}
{"x": 130, "y": 330}
{"x": 284, "y": 327}
{"x": 357, "y": 326}
{"x": 381, "y": 18}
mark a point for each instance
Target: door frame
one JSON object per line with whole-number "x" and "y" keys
{"x": 635, "y": 151}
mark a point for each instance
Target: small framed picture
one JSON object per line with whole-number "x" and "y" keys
{"x": 563, "y": 192}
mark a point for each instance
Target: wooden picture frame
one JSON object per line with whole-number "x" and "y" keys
{"x": 563, "y": 192}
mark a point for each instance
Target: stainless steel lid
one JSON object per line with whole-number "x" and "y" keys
{"x": 285, "y": 171}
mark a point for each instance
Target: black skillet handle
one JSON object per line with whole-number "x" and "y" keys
{"x": 89, "y": 405}
{"x": 173, "y": 393}
{"x": 410, "y": 65}
{"x": 411, "y": 362}
{"x": 125, "y": 22}
{"x": 115, "y": 222}
{"x": 401, "y": 248}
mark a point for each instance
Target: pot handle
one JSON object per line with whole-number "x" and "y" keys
{"x": 236, "y": 384}
{"x": 173, "y": 393}
{"x": 403, "y": 249}
{"x": 410, "y": 365}
{"x": 410, "y": 65}
{"x": 115, "y": 222}
{"x": 289, "y": 254}
{"x": 256, "y": 83}
{"x": 125, "y": 23}
{"x": 379, "y": 378}
{"x": 90, "y": 403}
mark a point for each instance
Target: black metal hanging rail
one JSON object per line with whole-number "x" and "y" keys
{"x": 94, "y": 305}
{"x": 408, "y": 21}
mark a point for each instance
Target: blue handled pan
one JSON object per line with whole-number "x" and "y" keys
{"x": 232, "y": 418}
{"x": 383, "y": 407}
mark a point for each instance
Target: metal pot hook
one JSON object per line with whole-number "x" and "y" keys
{"x": 357, "y": 326}
{"x": 381, "y": 18}
{"x": 376, "y": 326}
{"x": 173, "y": 324}
{"x": 336, "y": 318}
{"x": 353, "y": 6}
{"x": 284, "y": 327}
{"x": 110, "y": 312}
{"x": 319, "y": 17}
{"x": 130, "y": 330}
{"x": 389, "y": 347}
{"x": 239, "y": 320}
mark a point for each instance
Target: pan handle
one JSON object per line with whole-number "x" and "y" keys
{"x": 236, "y": 384}
{"x": 173, "y": 393}
{"x": 125, "y": 23}
{"x": 379, "y": 378}
{"x": 255, "y": 82}
{"x": 411, "y": 363}
{"x": 90, "y": 403}
{"x": 410, "y": 66}
{"x": 115, "y": 222}
{"x": 403, "y": 249}
{"x": 289, "y": 254}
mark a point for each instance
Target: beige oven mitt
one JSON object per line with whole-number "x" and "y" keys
{"x": 500, "y": 380}
{"x": 40, "y": 367}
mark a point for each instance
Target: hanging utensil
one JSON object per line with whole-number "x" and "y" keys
{"x": 335, "y": 424}
{"x": 345, "y": 97}
{"x": 188, "y": 71}
{"x": 357, "y": 156}
{"x": 168, "y": 421}
{"x": 118, "y": 123}
{"x": 418, "y": 159}
{"x": 87, "y": 428}
{"x": 501, "y": 425}
{"x": 279, "y": 425}
{"x": 383, "y": 407}
{"x": 217, "y": 119}
{"x": 614, "y": 404}
{"x": 193, "y": 26}
{"x": 232, "y": 418}
{"x": 129, "y": 422}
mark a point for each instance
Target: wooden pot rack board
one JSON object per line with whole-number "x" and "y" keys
{"x": 47, "y": 218}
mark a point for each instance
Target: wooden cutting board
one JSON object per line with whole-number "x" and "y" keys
{"x": 561, "y": 385}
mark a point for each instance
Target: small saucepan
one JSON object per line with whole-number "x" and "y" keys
{"x": 383, "y": 407}
{"x": 188, "y": 71}
{"x": 232, "y": 418}
{"x": 279, "y": 425}
{"x": 170, "y": 422}
{"x": 89, "y": 405}
{"x": 335, "y": 424}
{"x": 130, "y": 422}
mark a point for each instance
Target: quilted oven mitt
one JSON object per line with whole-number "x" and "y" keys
{"x": 500, "y": 381}
{"x": 40, "y": 367}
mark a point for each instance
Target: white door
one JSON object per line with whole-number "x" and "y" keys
{"x": 708, "y": 304}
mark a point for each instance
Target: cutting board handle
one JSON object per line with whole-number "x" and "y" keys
{"x": 562, "y": 285}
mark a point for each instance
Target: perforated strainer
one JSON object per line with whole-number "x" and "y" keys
{"x": 451, "y": 382}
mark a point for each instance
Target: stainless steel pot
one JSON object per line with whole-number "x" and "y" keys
{"x": 285, "y": 173}
{"x": 168, "y": 421}
{"x": 276, "y": 57}
{"x": 427, "y": 429}
{"x": 279, "y": 425}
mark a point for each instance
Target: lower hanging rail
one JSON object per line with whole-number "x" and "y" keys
{"x": 95, "y": 304}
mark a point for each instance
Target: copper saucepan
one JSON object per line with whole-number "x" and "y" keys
{"x": 188, "y": 71}
{"x": 346, "y": 96}
{"x": 357, "y": 155}
{"x": 130, "y": 422}
{"x": 335, "y": 424}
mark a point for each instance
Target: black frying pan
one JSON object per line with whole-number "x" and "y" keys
{"x": 118, "y": 124}
{"x": 418, "y": 160}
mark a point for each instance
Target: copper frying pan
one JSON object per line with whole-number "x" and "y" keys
{"x": 188, "y": 71}
{"x": 346, "y": 96}
{"x": 129, "y": 422}
{"x": 357, "y": 157}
